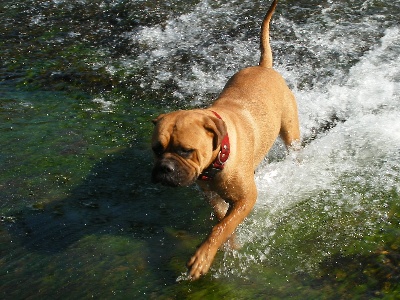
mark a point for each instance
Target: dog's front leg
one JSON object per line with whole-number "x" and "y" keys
{"x": 220, "y": 207}
{"x": 201, "y": 261}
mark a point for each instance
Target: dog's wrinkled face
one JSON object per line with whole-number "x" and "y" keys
{"x": 184, "y": 143}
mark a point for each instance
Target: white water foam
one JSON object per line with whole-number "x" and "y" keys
{"x": 368, "y": 102}
{"x": 201, "y": 38}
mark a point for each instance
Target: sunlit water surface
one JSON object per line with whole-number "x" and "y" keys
{"x": 330, "y": 200}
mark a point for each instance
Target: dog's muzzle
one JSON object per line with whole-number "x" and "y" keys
{"x": 171, "y": 173}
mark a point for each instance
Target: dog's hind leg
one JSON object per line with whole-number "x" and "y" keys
{"x": 290, "y": 131}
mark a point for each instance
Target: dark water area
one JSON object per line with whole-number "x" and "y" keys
{"x": 80, "y": 82}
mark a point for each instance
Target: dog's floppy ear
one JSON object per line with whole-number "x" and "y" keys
{"x": 218, "y": 128}
{"x": 154, "y": 121}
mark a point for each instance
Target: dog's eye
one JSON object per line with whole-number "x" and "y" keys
{"x": 185, "y": 153}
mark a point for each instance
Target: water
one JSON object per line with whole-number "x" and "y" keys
{"x": 80, "y": 219}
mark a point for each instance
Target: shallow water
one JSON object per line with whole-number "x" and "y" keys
{"x": 80, "y": 83}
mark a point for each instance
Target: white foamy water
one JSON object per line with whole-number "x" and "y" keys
{"x": 343, "y": 65}
{"x": 368, "y": 103}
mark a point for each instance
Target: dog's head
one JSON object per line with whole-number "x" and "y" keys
{"x": 184, "y": 144}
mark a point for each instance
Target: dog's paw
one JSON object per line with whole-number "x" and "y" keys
{"x": 201, "y": 261}
{"x": 183, "y": 277}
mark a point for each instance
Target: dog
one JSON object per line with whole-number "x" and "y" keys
{"x": 219, "y": 147}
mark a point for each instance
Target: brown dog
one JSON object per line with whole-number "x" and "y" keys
{"x": 221, "y": 146}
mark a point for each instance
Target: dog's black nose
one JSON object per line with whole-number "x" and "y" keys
{"x": 165, "y": 171}
{"x": 167, "y": 167}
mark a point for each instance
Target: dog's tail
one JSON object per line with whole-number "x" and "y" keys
{"x": 266, "y": 53}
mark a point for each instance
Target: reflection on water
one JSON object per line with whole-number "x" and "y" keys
{"x": 80, "y": 83}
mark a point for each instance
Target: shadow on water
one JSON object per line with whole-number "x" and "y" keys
{"x": 117, "y": 199}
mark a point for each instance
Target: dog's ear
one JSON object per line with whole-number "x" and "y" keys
{"x": 154, "y": 121}
{"x": 218, "y": 128}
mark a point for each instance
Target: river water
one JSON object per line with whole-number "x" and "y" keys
{"x": 81, "y": 81}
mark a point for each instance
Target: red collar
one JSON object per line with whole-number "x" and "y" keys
{"x": 220, "y": 160}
